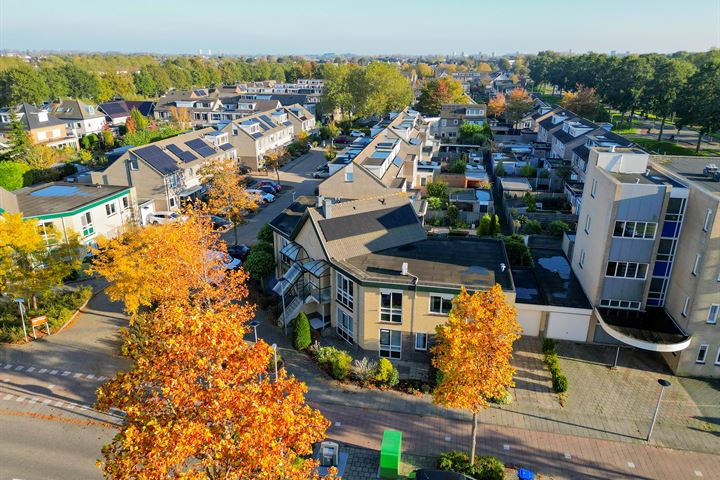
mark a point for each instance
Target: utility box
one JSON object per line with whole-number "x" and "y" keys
{"x": 390, "y": 454}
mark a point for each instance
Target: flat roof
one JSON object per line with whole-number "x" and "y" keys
{"x": 61, "y": 197}
{"x": 438, "y": 262}
{"x": 287, "y": 220}
{"x": 653, "y": 325}
{"x": 689, "y": 169}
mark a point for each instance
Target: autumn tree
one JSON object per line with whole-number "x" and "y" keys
{"x": 274, "y": 159}
{"x": 437, "y": 92}
{"x": 180, "y": 117}
{"x": 496, "y": 105}
{"x": 201, "y": 402}
{"x": 517, "y": 105}
{"x": 473, "y": 352}
{"x": 583, "y": 102}
{"x": 227, "y": 196}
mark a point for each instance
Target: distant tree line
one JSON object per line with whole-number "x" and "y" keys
{"x": 682, "y": 86}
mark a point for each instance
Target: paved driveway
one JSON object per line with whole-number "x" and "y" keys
{"x": 296, "y": 179}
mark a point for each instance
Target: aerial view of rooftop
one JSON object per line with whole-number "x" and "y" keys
{"x": 377, "y": 240}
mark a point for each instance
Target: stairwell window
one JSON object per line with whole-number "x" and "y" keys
{"x": 581, "y": 262}
{"x": 702, "y": 354}
{"x": 344, "y": 291}
{"x": 344, "y": 326}
{"x": 391, "y": 306}
{"x": 441, "y": 304}
{"x": 125, "y": 202}
{"x": 696, "y": 265}
{"x": 713, "y": 313}
{"x": 626, "y": 270}
{"x": 588, "y": 219}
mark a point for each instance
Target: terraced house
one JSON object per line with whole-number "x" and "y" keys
{"x": 254, "y": 136}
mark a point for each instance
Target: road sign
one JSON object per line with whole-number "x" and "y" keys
{"x": 37, "y": 321}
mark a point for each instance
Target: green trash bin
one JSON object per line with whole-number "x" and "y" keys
{"x": 390, "y": 454}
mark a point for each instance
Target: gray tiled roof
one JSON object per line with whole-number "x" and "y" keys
{"x": 61, "y": 197}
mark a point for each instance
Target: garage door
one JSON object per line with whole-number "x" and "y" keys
{"x": 568, "y": 326}
{"x": 529, "y": 320}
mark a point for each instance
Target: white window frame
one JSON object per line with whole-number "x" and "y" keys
{"x": 717, "y": 357}
{"x": 588, "y": 220}
{"x": 442, "y": 298}
{"x": 581, "y": 262}
{"x": 390, "y": 348}
{"x": 620, "y": 304}
{"x": 88, "y": 228}
{"x": 424, "y": 336}
{"x": 686, "y": 307}
{"x": 344, "y": 291}
{"x": 696, "y": 265}
{"x": 702, "y": 354}
{"x": 626, "y": 265}
{"x": 349, "y": 176}
{"x": 172, "y": 202}
{"x": 134, "y": 164}
{"x": 110, "y": 209}
{"x": 341, "y": 329}
{"x": 713, "y": 313}
{"x": 593, "y": 188}
{"x": 392, "y": 311}
{"x": 708, "y": 216}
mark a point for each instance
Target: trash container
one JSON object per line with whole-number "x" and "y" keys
{"x": 390, "y": 454}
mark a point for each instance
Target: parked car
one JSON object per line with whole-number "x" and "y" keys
{"x": 343, "y": 139}
{"x": 239, "y": 251}
{"x": 219, "y": 223}
{"x": 262, "y": 197}
{"x": 161, "y": 218}
{"x": 268, "y": 183}
{"x": 322, "y": 172}
{"x": 224, "y": 262}
{"x": 267, "y": 189}
{"x": 357, "y": 133}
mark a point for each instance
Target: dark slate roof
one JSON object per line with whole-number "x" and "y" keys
{"x": 226, "y": 146}
{"x": 547, "y": 123}
{"x": 287, "y": 221}
{"x": 156, "y": 158}
{"x": 286, "y": 99}
{"x": 373, "y": 221}
{"x": 440, "y": 262}
{"x": 144, "y": 107}
{"x": 61, "y": 197}
{"x": 31, "y": 121}
{"x": 582, "y": 151}
{"x": 565, "y": 137}
{"x": 75, "y": 110}
{"x": 115, "y": 109}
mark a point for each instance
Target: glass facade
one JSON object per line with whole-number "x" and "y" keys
{"x": 669, "y": 234}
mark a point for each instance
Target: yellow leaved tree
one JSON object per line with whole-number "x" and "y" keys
{"x": 473, "y": 352}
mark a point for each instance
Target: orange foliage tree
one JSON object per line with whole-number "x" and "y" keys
{"x": 157, "y": 263}
{"x": 473, "y": 352}
{"x": 517, "y": 105}
{"x": 226, "y": 194}
{"x": 496, "y": 105}
{"x": 200, "y": 402}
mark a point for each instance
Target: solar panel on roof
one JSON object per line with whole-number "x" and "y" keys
{"x": 398, "y": 161}
{"x": 200, "y": 147}
{"x": 264, "y": 126}
{"x": 182, "y": 154}
{"x": 113, "y": 108}
{"x": 159, "y": 160}
{"x": 267, "y": 120}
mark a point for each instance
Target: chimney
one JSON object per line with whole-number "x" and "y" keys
{"x": 327, "y": 208}
{"x": 319, "y": 201}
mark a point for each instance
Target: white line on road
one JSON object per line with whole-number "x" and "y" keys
{"x": 53, "y": 372}
{"x": 90, "y": 376}
{"x": 31, "y": 369}
{"x": 20, "y": 399}
{"x": 33, "y": 400}
{"x": 42, "y": 370}
{"x": 19, "y": 367}
{"x": 78, "y": 375}
{"x": 46, "y": 401}
{"x": 58, "y": 403}
{"x": 8, "y": 366}
{"x": 66, "y": 373}
{"x": 8, "y": 396}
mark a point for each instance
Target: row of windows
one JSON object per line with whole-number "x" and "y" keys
{"x": 703, "y": 352}
{"x": 645, "y": 230}
{"x": 622, "y": 304}
{"x": 627, "y": 270}
{"x": 391, "y": 343}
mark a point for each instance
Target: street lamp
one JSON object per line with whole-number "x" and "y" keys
{"x": 254, "y": 324}
{"x": 663, "y": 383}
{"x": 275, "y": 347}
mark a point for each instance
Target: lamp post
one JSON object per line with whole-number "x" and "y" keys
{"x": 254, "y": 324}
{"x": 275, "y": 347}
{"x": 663, "y": 383}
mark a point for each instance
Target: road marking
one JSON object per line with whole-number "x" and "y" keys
{"x": 698, "y": 473}
{"x": 50, "y": 386}
{"x": 568, "y": 456}
{"x": 20, "y": 399}
{"x": 33, "y": 400}
{"x": 46, "y": 401}
{"x": 31, "y": 369}
{"x": 102, "y": 378}
{"x": 631, "y": 465}
{"x": 71, "y": 406}
{"x": 66, "y": 373}
{"x": 8, "y": 396}
{"x": 90, "y": 376}
{"x": 42, "y": 370}
{"x": 58, "y": 403}
{"x": 54, "y": 372}
{"x": 18, "y": 368}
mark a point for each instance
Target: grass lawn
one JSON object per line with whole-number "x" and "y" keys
{"x": 669, "y": 148}
{"x": 549, "y": 99}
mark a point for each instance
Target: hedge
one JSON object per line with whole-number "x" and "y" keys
{"x": 559, "y": 381}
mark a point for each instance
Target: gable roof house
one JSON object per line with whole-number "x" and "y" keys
{"x": 118, "y": 111}
{"x": 302, "y": 119}
{"x": 80, "y": 118}
{"x": 43, "y": 128}
{"x": 167, "y": 172}
{"x": 255, "y": 135}
{"x": 385, "y": 163}
{"x": 452, "y": 116}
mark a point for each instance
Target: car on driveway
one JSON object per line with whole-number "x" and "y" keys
{"x": 268, "y": 183}
{"x": 322, "y": 172}
{"x": 262, "y": 197}
{"x": 161, "y": 218}
{"x": 267, "y": 189}
{"x": 357, "y": 134}
{"x": 238, "y": 251}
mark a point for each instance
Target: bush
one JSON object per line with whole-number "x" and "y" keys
{"x": 301, "y": 332}
{"x": 549, "y": 345}
{"x": 12, "y": 175}
{"x": 386, "y": 374}
{"x": 458, "y": 167}
{"x": 532, "y": 227}
{"x": 435, "y": 203}
{"x": 452, "y": 216}
{"x": 265, "y": 234}
{"x": 485, "y": 467}
{"x": 364, "y": 370}
{"x": 337, "y": 361}
{"x": 437, "y": 189}
{"x": 518, "y": 253}
{"x": 560, "y": 383}
{"x": 503, "y": 399}
{"x": 557, "y": 228}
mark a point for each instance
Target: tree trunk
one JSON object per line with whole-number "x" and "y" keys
{"x": 235, "y": 233}
{"x": 277, "y": 172}
{"x": 697, "y": 147}
{"x": 34, "y": 299}
{"x": 473, "y": 440}
{"x": 662, "y": 126}
{"x": 632, "y": 114}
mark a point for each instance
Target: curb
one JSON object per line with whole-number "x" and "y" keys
{"x": 79, "y": 310}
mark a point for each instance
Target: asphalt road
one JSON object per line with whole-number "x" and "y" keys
{"x": 296, "y": 179}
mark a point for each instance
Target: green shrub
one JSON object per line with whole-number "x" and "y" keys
{"x": 560, "y": 383}
{"x": 301, "y": 332}
{"x": 265, "y": 234}
{"x": 532, "y": 227}
{"x": 549, "y": 345}
{"x": 340, "y": 366}
{"x": 557, "y": 228}
{"x": 386, "y": 374}
{"x": 437, "y": 189}
{"x": 485, "y": 467}
{"x": 435, "y": 203}
{"x": 503, "y": 399}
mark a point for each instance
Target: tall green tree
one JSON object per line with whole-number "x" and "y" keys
{"x": 19, "y": 143}
{"x": 22, "y": 85}
{"x": 669, "y": 78}
{"x": 82, "y": 83}
{"x": 699, "y": 102}
{"x": 56, "y": 82}
{"x": 437, "y": 92}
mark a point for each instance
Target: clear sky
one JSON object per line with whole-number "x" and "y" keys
{"x": 361, "y": 26}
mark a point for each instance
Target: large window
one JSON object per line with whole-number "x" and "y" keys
{"x": 626, "y": 270}
{"x": 702, "y": 354}
{"x": 421, "y": 341}
{"x": 344, "y": 291}
{"x": 440, "y": 304}
{"x": 390, "y": 343}
{"x": 713, "y": 313}
{"x": 622, "y": 304}
{"x": 644, "y": 230}
{"x": 344, "y": 325}
{"x": 391, "y": 306}
{"x": 110, "y": 209}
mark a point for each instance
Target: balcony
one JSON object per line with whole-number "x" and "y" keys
{"x": 653, "y": 330}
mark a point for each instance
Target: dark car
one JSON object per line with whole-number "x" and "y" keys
{"x": 267, "y": 189}
{"x": 268, "y": 183}
{"x": 428, "y": 474}
{"x": 219, "y": 223}
{"x": 343, "y": 139}
{"x": 238, "y": 251}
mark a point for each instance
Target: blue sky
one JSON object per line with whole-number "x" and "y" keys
{"x": 363, "y": 27}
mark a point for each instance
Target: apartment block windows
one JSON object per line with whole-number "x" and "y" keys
{"x": 708, "y": 217}
{"x": 621, "y": 304}
{"x": 696, "y": 265}
{"x": 440, "y": 304}
{"x": 702, "y": 354}
{"x": 588, "y": 219}
{"x": 581, "y": 262}
{"x": 626, "y": 270}
{"x": 686, "y": 307}
{"x": 390, "y": 306}
{"x": 344, "y": 326}
{"x": 87, "y": 224}
{"x": 713, "y": 313}
{"x": 344, "y": 291}
{"x": 421, "y": 341}
{"x": 644, "y": 230}
{"x": 593, "y": 188}
{"x": 390, "y": 343}
{"x": 110, "y": 209}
